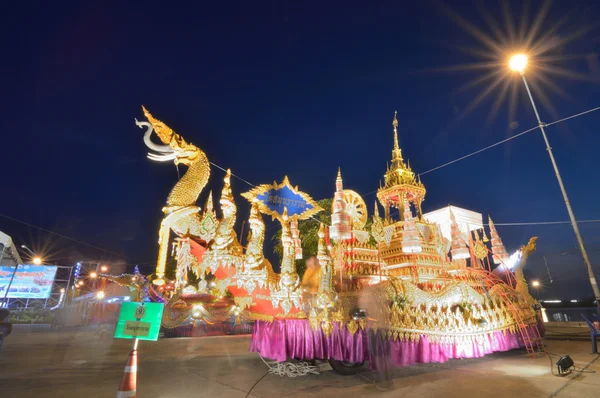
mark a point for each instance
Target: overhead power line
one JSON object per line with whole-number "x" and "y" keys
{"x": 543, "y": 222}
{"x": 510, "y": 138}
{"x": 63, "y": 236}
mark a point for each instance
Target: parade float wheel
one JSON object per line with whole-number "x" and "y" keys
{"x": 356, "y": 208}
{"x": 345, "y": 368}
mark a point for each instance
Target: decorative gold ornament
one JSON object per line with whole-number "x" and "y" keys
{"x": 271, "y": 201}
{"x": 181, "y": 214}
{"x": 356, "y": 208}
{"x": 225, "y": 250}
{"x": 480, "y": 250}
{"x": 287, "y": 294}
{"x": 256, "y": 270}
{"x": 352, "y": 327}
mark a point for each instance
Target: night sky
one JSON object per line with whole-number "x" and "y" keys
{"x": 287, "y": 88}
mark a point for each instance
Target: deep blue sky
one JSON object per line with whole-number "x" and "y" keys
{"x": 275, "y": 88}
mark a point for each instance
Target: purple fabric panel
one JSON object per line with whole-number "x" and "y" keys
{"x": 283, "y": 339}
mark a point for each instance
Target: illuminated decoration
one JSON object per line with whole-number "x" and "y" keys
{"x": 400, "y": 183}
{"x": 140, "y": 287}
{"x": 257, "y": 270}
{"x": 326, "y": 296}
{"x": 356, "y": 208}
{"x": 411, "y": 242}
{"x": 459, "y": 247}
{"x": 447, "y": 306}
{"x": 377, "y": 227}
{"x": 274, "y": 199}
{"x": 181, "y": 213}
{"x": 186, "y": 261}
{"x": 296, "y": 237}
{"x": 341, "y": 227}
{"x": 323, "y": 314}
{"x": 479, "y": 248}
{"x": 361, "y": 236}
{"x": 498, "y": 249}
{"x": 513, "y": 260}
{"x": 209, "y": 222}
{"x": 287, "y": 294}
{"x": 225, "y": 250}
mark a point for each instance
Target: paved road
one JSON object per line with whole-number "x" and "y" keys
{"x": 90, "y": 364}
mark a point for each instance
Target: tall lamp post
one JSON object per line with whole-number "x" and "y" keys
{"x": 518, "y": 63}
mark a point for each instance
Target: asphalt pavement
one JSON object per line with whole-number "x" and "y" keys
{"x": 37, "y": 362}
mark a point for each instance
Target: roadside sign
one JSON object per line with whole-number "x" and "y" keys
{"x": 139, "y": 320}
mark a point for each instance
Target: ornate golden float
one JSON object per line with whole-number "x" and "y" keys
{"x": 443, "y": 288}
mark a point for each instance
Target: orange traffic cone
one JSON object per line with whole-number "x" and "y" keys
{"x": 129, "y": 382}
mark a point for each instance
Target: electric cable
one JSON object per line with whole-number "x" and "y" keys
{"x": 64, "y": 236}
{"x": 249, "y": 183}
{"x": 510, "y": 138}
{"x": 481, "y": 150}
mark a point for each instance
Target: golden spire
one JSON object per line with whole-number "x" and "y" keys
{"x": 226, "y": 193}
{"x": 209, "y": 203}
{"x": 395, "y": 125}
{"x": 397, "y": 161}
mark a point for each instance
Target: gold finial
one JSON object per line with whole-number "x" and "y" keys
{"x": 321, "y": 232}
{"x": 226, "y": 192}
{"x": 339, "y": 176}
{"x": 376, "y": 210}
{"x": 285, "y": 216}
{"x": 209, "y": 203}
{"x": 395, "y": 125}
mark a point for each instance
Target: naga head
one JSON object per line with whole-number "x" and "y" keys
{"x": 175, "y": 148}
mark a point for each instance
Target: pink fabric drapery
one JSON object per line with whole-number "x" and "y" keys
{"x": 283, "y": 339}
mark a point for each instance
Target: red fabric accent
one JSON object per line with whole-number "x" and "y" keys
{"x": 198, "y": 249}
{"x": 225, "y": 272}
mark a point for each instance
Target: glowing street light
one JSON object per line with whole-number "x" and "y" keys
{"x": 535, "y": 283}
{"x": 100, "y": 294}
{"x": 518, "y": 63}
{"x": 104, "y": 268}
{"x": 93, "y": 275}
{"x": 37, "y": 260}
{"x": 80, "y": 283}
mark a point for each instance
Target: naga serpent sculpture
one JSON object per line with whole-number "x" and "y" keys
{"x": 181, "y": 213}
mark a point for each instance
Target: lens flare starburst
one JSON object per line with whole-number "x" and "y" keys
{"x": 519, "y": 43}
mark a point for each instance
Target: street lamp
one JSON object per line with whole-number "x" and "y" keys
{"x": 535, "y": 283}
{"x": 93, "y": 275}
{"x": 37, "y": 260}
{"x": 104, "y": 268}
{"x": 518, "y": 63}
